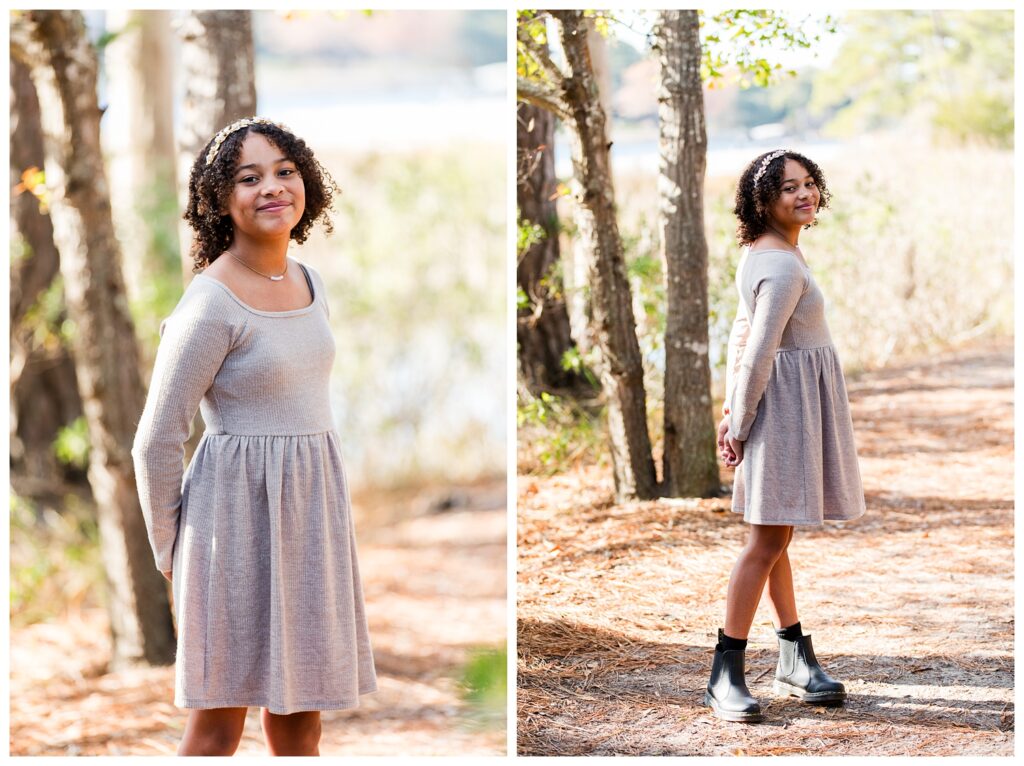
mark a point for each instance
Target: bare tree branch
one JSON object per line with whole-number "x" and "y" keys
{"x": 543, "y": 96}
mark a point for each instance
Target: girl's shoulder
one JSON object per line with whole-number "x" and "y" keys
{"x": 205, "y": 301}
{"x": 772, "y": 266}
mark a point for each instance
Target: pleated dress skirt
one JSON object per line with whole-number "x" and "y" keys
{"x": 800, "y": 463}
{"x": 266, "y": 578}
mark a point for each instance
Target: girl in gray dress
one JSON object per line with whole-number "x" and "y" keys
{"x": 786, "y": 427}
{"x": 256, "y": 535}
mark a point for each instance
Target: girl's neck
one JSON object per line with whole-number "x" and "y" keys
{"x": 264, "y": 255}
{"x": 791, "y": 235}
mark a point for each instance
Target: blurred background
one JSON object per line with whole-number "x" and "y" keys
{"x": 406, "y": 111}
{"x": 910, "y": 116}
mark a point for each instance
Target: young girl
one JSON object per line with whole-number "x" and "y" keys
{"x": 787, "y": 427}
{"x": 256, "y": 537}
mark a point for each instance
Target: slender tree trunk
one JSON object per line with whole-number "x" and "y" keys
{"x": 139, "y": 135}
{"x": 542, "y": 328}
{"x": 33, "y": 274}
{"x": 64, "y": 67}
{"x": 577, "y": 260}
{"x": 220, "y": 87}
{"x": 620, "y": 368}
{"x": 690, "y": 466}
{"x": 44, "y": 392}
{"x": 601, "y": 66}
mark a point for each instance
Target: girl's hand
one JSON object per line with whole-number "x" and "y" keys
{"x": 167, "y": 574}
{"x": 723, "y": 428}
{"x": 735, "y": 446}
{"x": 725, "y": 448}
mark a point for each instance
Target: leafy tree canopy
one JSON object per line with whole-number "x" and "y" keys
{"x": 952, "y": 70}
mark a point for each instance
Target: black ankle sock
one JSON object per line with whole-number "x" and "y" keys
{"x": 728, "y": 643}
{"x": 792, "y": 633}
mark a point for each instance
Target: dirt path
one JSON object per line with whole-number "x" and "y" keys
{"x": 911, "y": 606}
{"x": 435, "y": 589}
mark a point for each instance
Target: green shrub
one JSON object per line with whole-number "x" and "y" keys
{"x": 484, "y": 686}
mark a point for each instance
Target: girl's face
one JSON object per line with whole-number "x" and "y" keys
{"x": 268, "y": 196}
{"x": 797, "y": 203}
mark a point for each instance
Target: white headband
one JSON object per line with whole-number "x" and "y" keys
{"x": 236, "y": 125}
{"x": 765, "y": 163}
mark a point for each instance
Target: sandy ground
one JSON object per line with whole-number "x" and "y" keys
{"x": 911, "y": 606}
{"x": 435, "y": 590}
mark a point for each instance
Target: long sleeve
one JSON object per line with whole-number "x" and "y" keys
{"x": 737, "y": 344}
{"x": 194, "y": 342}
{"x": 777, "y": 285}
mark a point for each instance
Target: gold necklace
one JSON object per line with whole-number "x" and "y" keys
{"x": 271, "y": 277}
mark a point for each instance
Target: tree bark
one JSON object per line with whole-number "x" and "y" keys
{"x": 220, "y": 87}
{"x": 64, "y": 68}
{"x": 139, "y": 134}
{"x": 577, "y": 261}
{"x": 690, "y": 467}
{"x": 542, "y": 328}
{"x": 619, "y": 362}
{"x": 44, "y": 392}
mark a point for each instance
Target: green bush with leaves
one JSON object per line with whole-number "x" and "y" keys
{"x": 484, "y": 686}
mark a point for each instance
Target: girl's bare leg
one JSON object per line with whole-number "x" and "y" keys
{"x": 216, "y": 731}
{"x": 766, "y": 544}
{"x": 779, "y": 591}
{"x": 295, "y": 734}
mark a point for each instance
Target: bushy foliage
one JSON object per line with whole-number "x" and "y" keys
{"x": 55, "y": 560}
{"x": 484, "y": 685}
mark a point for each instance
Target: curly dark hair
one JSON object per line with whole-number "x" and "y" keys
{"x": 209, "y": 188}
{"x": 752, "y": 204}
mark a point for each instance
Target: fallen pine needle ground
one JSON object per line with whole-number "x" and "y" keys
{"x": 434, "y": 581}
{"x": 910, "y": 606}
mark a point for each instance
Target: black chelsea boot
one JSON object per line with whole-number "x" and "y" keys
{"x": 799, "y": 674}
{"x": 727, "y": 693}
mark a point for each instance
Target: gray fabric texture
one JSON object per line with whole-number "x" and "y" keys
{"x": 787, "y": 399}
{"x": 257, "y": 530}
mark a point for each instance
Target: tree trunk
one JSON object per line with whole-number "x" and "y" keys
{"x": 542, "y": 328}
{"x": 44, "y": 392}
{"x": 602, "y": 69}
{"x": 220, "y": 87}
{"x": 619, "y": 366}
{"x": 577, "y": 260}
{"x": 690, "y": 467}
{"x": 139, "y": 135}
{"x": 64, "y": 67}
{"x": 31, "y": 275}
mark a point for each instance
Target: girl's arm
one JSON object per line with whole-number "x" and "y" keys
{"x": 194, "y": 341}
{"x": 779, "y": 281}
{"x": 737, "y": 343}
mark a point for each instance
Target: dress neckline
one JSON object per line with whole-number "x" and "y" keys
{"x": 261, "y": 312}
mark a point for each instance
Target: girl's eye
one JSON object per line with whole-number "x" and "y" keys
{"x": 287, "y": 171}
{"x": 788, "y": 189}
{"x": 247, "y": 179}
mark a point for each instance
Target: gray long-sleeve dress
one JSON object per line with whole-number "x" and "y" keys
{"x": 258, "y": 529}
{"x": 787, "y": 399}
